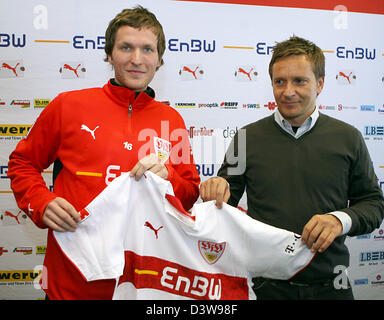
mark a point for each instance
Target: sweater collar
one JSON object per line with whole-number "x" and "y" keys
{"x": 305, "y": 127}
{"x": 126, "y": 97}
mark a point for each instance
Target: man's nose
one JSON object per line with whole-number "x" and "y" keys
{"x": 289, "y": 89}
{"x": 136, "y": 57}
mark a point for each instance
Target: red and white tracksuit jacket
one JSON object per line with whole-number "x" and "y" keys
{"x": 97, "y": 134}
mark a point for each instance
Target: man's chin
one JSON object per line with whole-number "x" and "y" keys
{"x": 132, "y": 86}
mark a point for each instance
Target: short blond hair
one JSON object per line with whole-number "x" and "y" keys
{"x": 299, "y": 46}
{"x": 137, "y": 18}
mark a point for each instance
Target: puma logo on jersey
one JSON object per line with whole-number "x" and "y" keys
{"x": 92, "y": 132}
{"x": 147, "y": 224}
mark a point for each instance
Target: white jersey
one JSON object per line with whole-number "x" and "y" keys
{"x": 138, "y": 233}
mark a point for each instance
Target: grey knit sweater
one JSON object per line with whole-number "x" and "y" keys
{"x": 289, "y": 180}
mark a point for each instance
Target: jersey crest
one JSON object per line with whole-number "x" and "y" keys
{"x": 162, "y": 148}
{"x": 211, "y": 251}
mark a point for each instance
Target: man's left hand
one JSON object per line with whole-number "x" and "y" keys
{"x": 152, "y": 163}
{"x": 320, "y": 231}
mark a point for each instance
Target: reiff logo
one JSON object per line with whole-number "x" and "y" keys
{"x": 229, "y": 105}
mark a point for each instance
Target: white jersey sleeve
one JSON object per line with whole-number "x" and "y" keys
{"x": 281, "y": 251}
{"x": 264, "y": 250}
{"x": 97, "y": 246}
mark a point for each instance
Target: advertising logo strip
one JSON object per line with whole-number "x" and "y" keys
{"x": 18, "y": 275}
{"x": 372, "y": 6}
{"x": 14, "y": 129}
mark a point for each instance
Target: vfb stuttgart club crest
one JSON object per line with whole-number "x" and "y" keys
{"x": 211, "y": 251}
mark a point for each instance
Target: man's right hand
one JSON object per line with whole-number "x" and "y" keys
{"x": 61, "y": 216}
{"x": 215, "y": 189}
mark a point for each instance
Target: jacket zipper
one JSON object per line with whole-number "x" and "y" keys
{"x": 129, "y": 111}
{"x": 129, "y": 122}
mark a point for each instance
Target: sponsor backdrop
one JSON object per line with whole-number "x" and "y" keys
{"x": 215, "y": 74}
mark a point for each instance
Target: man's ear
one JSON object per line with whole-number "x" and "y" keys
{"x": 159, "y": 63}
{"x": 320, "y": 85}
